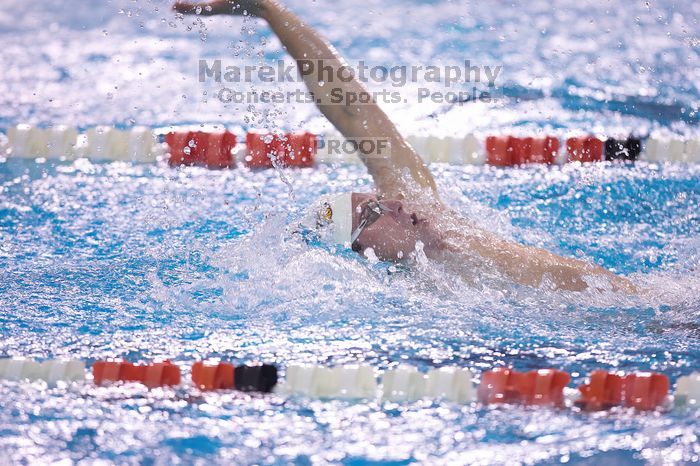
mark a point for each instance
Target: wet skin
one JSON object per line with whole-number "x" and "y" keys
{"x": 393, "y": 236}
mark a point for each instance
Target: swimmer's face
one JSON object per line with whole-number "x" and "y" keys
{"x": 394, "y": 234}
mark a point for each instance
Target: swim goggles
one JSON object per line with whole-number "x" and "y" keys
{"x": 370, "y": 214}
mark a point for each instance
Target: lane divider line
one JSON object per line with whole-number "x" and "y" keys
{"x": 642, "y": 391}
{"x": 217, "y": 147}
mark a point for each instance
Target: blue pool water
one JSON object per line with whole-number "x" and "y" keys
{"x": 105, "y": 260}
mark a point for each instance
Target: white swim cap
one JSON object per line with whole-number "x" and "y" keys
{"x": 334, "y": 212}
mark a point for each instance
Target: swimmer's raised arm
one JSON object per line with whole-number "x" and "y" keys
{"x": 354, "y": 121}
{"x": 394, "y": 233}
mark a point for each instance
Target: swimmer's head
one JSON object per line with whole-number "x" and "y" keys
{"x": 362, "y": 221}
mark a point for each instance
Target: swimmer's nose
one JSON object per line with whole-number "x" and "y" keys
{"x": 403, "y": 217}
{"x": 396, "y": 210}
{"x": 417, "y": 220}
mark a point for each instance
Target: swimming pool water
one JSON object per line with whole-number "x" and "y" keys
{"x": 105, "y": 260}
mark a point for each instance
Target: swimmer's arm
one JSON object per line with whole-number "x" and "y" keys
{"x": 529, "y": 265}
{"x": 355, "y": 121}
{"x": 567, "y": 273}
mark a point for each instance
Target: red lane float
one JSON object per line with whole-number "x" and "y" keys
{"x": 644, "y": 391}
{"x": 540, "y": 387}
{"x": 300, "y": 149}
{"x": 208, "y": 149}
{"x": 506, "y": 151}
{"x": 288, "y": 150}
{"x": 261, "y": 148}
{"x": 584, "y": 149}
{"x": 213, "y": 376}
{"x": 151, "y": 375}
{"x": 544, "y": 150}
{"x": 521, "y": 150}
{"x": 498, "y": 152}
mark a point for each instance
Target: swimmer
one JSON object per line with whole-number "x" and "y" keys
{"x": 406, "y": 214}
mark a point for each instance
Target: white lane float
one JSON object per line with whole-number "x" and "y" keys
{"x": 473, "y": 151}
{"x": 137, "y": 144}
{"x": 677, "y": 150}
{"x": 99, "y": 143}
{"x": 688, "y": 390}
{"x": 29, "y": 142}
{"x": 11, "y": 369}
{"x": 60, "y": 141}
{"x": 55, "y": 142}
{"x": 453, "y": 150}
{"x": 665, "y": 149}
{"x": 20, "y": 140}
{"x": 404, "y": 383}
{"x": 299, "y": 381}
{"x": 345, "y": 382}
{"x": 692, "y": 150}
{"x": 50, "y": 371}
{"x": 654, "y": 150}
{"x": 352, "y": 382}
{"x": 420, "y": 145}
{"x": 439, "y": 149}
{"x": 63, "y": 370}
{"x": 450, "y": 383}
